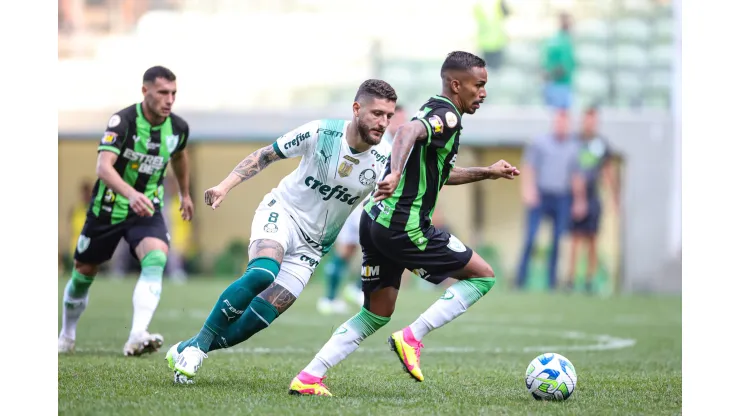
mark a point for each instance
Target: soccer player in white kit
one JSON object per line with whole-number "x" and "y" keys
{"x": 346, "y": 246}
{"x": 297, "y": 222}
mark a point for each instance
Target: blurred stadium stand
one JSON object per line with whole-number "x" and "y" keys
{"x": 250, "y": 69}
{"x": 624, "y": 49}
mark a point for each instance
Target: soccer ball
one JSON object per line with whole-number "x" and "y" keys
{"x": 550, "y": 377}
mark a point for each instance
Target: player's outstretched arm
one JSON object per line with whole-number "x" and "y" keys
{"x": 107, "y": 173}
{"x": 500, "y": 169}
{"x": 407, "y": 134}
{"x": 246, "y": 169}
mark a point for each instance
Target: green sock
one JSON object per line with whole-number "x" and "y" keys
{"x": 261, "y": 272}
{"x": 78, "y": 285}
{"x": 258, "y": 316}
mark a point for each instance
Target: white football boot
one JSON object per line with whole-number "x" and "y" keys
{"x": 187, "y": 364}
{"x": 142, "y": 343}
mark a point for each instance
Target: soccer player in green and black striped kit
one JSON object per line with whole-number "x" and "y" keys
{"x": 138, "y": 143}
{"x": 396, "y": 231}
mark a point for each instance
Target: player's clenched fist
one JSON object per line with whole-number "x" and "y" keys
{"x": 387, "y": 186}
{"x": 214, "y": 196}
{"x": 141, "y": 205}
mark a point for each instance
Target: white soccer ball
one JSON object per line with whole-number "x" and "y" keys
{"x": 550, "y": 377}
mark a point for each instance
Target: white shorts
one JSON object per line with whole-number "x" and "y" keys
{"x": 271, "y": 222}
{"x": 350, "y": 232}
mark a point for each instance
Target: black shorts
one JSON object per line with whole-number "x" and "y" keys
{"x": 588, "y": 225}
{"x": 432, "y": 254}
{"x": 98, "y": 240}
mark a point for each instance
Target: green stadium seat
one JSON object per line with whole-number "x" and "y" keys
{"x": 628, "y": 56}
{"x": 632, "y": 30}
{"x": 637, "y": 7}
{"x": 593, "y": 55}
{"x": 522, "y": 54}
{"x": 628, "y": 86}
{"x": 661, "y": 56}
{"x": 593, "y": 30}
{"x": 663, "y": 29}
{"x": 594, "y": 84}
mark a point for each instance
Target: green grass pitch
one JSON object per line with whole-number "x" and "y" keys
{"x": 626, "y": 351}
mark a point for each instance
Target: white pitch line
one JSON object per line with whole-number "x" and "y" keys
{"x": 598, "y": 343}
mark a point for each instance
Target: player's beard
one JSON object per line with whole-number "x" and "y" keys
{"x": 364, "y": 131}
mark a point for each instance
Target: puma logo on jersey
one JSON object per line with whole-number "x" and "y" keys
{"x": 338, "y": 192}
{"x": 326, "y": 158}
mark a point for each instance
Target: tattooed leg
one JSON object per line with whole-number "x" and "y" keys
{"x": 263, "y": 310}
{"x": 266, "y": 248}
{"x": 238, "y": 301}
{"x": 278, "y": 296}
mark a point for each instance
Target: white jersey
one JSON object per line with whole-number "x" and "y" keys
{"x": 330, "y": 181}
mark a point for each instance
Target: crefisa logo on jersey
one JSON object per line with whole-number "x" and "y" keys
{"x": 297, "y": 140}
{"x": 338, "y": 192}
{"x": 378, "y": 157}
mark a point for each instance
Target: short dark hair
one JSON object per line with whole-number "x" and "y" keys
{"x": 461, "y": 61}
{"x": 399, "y": 108}
{"x": 376, "y": 88}
{"x": 155, "y": 72}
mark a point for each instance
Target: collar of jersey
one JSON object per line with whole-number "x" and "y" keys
{"x": 445, "y": 99}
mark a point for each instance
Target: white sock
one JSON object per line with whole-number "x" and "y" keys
{"x": 146, "y": 298}
{"x": 345, "y": 340}
{"x": 455, "y": 301}
{"x": 71, "y": 311}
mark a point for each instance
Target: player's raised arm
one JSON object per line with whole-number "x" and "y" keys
{"x": 108, "y": 151}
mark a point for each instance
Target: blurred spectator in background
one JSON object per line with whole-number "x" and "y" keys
{"x": 76, "y": 218}
{"x": 595, "y": 161}
{"x": 559, "y": 64}
{"x": 491, "y": 34}
{"x": 550, "y": 178}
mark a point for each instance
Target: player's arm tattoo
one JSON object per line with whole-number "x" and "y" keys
{"x": 403, "y": 142}
{"x": 278, "y": 296}
{"x": 461, "y": 176}
{"x": 266, "y": 248}
{"x": 255, "y": 162}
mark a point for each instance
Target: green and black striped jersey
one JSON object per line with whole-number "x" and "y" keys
{"x": 143, "y": 153}
{"x": 428, "y": 167}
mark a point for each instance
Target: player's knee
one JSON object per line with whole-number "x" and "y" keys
{"x": 262, "y": 271}
{"x": 483, "y": 284}
{"x": 86, "y": 269}
{"x": 481, "y": 269}
{"x": 154, "y": 258}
